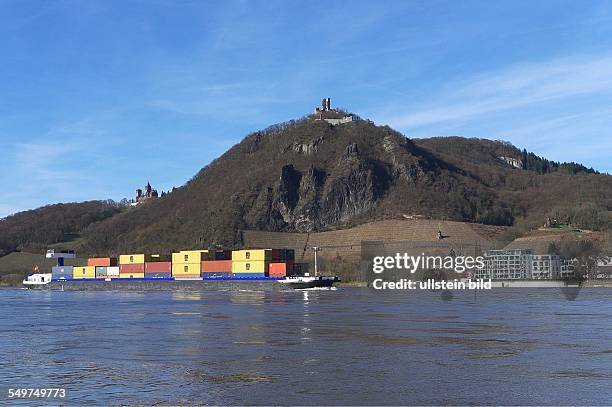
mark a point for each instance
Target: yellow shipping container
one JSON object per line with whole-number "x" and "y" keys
{"x": 183, "y": 269}
{"x": 250, "y": 255}
{"x": 256, "y": 266}
{"x": 84, "y": 272}
{"x": 130, "y": 275}
{"x": 132, "y": 259}
{"x": 188, "y": 256}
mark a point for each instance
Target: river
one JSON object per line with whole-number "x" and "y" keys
{"x": 349, "y": 346}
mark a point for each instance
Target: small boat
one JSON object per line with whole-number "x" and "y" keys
{"x": 307, "y": 281}
{"x": 37, "y": 280}
{"x": 301, "y": 282}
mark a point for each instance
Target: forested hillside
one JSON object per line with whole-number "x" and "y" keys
{"x": 34, "y": 230}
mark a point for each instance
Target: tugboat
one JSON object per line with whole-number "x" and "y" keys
{"x": 36, "y": 279}
{"x": 307, "y": 281}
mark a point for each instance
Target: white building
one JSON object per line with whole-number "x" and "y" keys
{"x": 510, "y": 264}
{"x": 545, "y": 266}
{"x": 522, "y": 264}
{"x": 603, "y": 269}
{"x": 568, "y": 268}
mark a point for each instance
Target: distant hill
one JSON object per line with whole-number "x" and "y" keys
{"x": 36, "y": 229}
{"x": 466, "y": 151}
{"x": 310, "y": 176}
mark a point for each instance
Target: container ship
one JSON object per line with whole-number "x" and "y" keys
{"x": 184, "y": 270}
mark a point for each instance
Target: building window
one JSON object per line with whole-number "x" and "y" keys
{"x": 247, "y": 255}
{"x": 186, "y": 257}
{"x": 186, "y": 268}
{"x": 131, "y": 259}
{"x": 248, "y": 266}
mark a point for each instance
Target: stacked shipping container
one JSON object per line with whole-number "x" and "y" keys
{"x": 251, "y": 263}
{"x": 101, "y": 272}
{"x": 187, "y": 263}
{"x": 158, "y": 266}
{"x": 113, "y": 272}
{"x": 84, "y": 272}
{"x": 62, "y": 273}
{"x": 216, "y": 269}
{"x": 281, "y": 269}
{"x": 282, "y": 264}
{"x": 102, "y": 262}
{"x": 217, "y": 264}
{"x": 101, "y": 265}
{"x": 131, "y": 266}
{"x": 208, "y": 264}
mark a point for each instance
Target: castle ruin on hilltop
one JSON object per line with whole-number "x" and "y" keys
{"x": 332, "y": 116}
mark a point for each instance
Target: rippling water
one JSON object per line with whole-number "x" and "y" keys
{"x": 348, "y": 346}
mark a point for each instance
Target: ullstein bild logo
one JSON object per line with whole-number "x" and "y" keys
{"x": 387, "y": 272}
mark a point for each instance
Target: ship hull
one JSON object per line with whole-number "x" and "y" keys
{"x": 164, "y": 285}
{"x": 300, "y": 283}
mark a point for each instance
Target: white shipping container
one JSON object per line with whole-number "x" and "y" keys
{"x": 112, "y": 271}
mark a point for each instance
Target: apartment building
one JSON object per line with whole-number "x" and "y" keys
{"x": 545, "y": 266}
{"x": 511, "y": 264}
{"x": 522, "y": 264}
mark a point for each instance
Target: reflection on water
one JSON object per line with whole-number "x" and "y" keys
{"x": 346, "y": 346}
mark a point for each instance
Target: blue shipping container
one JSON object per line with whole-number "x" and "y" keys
{"x": 216, "y": 274}
{"x": 158, "y": 275}
{"x": 248, "y": 275}
{"x": 61, "y": 272}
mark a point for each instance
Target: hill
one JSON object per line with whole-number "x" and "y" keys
{"x": 309, "y": 176}
{"x": 37, "y": 229}
{"x": 578, "y": 194}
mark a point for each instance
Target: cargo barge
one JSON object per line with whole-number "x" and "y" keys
{"x": 185, "y": 270}
{"x": 160, "y": 284}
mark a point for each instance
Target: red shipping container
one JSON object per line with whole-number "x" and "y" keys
{"x": 222, "y": 266}
{"x": 158, "y": 267}
{"x": 131, "y": 268}
{"x": 280, "y": 269}
{"x": 102, "y": 262}
{"x": 277, "y": 274}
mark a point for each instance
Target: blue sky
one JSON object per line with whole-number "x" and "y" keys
{"x": 99, "y": 97}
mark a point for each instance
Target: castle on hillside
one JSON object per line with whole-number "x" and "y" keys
{"x": 332, "y": 116}
{"x": 149, "y": 193}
